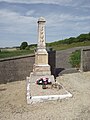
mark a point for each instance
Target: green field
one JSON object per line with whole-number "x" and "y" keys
{"x": 81, "y": 40}
{"x": 67, "y": 46}
{"x": 5, "y": 54}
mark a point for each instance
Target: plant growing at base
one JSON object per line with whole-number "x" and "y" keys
{"x": 75, "y": 59}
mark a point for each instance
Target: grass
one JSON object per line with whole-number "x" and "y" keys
{"x": 6, "y": 54}
{"x": 75, "y": 58}
{"x": 67, "y": 46}
{"x": 57, "y": 47}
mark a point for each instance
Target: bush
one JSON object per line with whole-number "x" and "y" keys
{"x": 75, "y": 59}
{"x": 27, "y": 48}
{"x": 23, "y": 45}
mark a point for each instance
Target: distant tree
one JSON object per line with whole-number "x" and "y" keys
{"x": 69, "y": 40}
{"x": 27, "y": 48}
{"x": 84, "y": 37}
{"x": 88, "y": 36}
{"x": 23, "y": 45}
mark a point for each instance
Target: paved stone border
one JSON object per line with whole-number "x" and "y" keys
{"x": 35, "y": 99}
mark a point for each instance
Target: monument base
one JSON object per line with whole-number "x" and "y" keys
{"x": 36, "y": 94}
{"x": 33, "y": 77}
{"x": 41, "y": 69}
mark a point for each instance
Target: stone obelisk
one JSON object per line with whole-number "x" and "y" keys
{"x": 41, "y": 66}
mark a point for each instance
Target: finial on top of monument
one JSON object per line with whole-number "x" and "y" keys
{"x": 41, "y": 19}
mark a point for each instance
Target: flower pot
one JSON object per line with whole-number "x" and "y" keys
{"x": 44, "y": 86}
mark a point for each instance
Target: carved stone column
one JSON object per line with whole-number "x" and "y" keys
{"x": 41, "y": 66}
{"x": 41, "y": 33}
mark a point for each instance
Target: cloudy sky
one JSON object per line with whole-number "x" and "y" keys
{"x": 64, "y": 18}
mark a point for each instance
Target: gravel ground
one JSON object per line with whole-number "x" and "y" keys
{"x": 13, "y": 101}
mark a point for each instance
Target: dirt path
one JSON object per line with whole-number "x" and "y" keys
{"x": 13, "y": 101}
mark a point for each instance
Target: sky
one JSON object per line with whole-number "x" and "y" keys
{"x": 64, "y": 19}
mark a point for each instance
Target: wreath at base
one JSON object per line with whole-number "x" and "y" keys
{"x": 45, "y": 81}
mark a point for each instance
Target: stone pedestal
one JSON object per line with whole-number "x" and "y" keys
{"x": 41, "y": 66}
{"x": 41, "y": 70}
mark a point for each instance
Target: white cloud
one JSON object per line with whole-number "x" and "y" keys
{"x": 58, "y": 2}
{"x": 28, "y": 13}
{"x": 14, "y": 22}
{"x": 40, "y": 1}
{"x": 7, "y": 15}
{"x": 23, "y": 22}
{"x": 64, "y": 25}
{"x": 56, "y": 19}
{"x": 85, "y": 6}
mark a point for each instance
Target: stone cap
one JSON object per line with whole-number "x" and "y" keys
{"x": 41, "y": 19}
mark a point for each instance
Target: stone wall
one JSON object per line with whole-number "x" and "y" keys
{"x": 85, "y": 60}
{"x": 18, "y": 68}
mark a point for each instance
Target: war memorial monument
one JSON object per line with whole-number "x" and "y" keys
{"x": 41, "y": 85}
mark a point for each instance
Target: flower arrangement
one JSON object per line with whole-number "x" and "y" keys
{"x": 43, "y": 81}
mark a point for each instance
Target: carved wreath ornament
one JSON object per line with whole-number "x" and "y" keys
{"x": 42, "y": 35}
